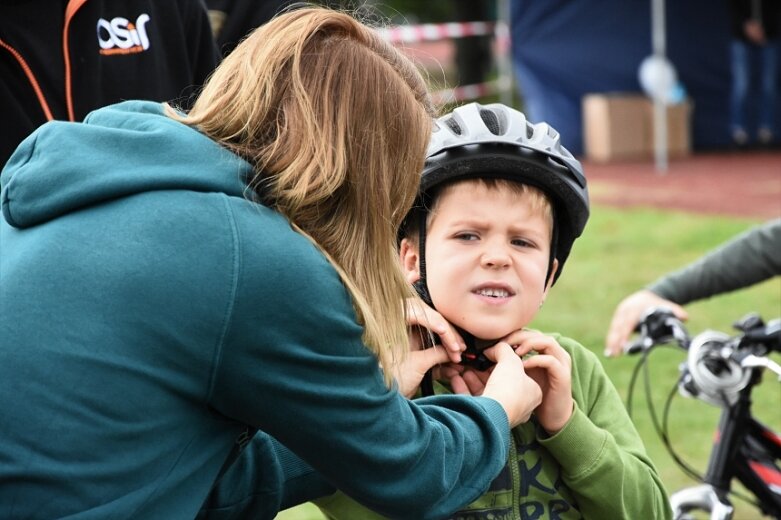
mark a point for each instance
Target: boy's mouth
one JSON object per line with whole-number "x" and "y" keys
{"x": 494, "y": 291}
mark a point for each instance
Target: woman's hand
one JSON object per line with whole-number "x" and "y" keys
{"x": 509, "y": 384}
{"x": 551, "y": 368}
{"x": 410, "y": 372}
{"x": 468, "y": 381}
{"x": 421, "y": 318}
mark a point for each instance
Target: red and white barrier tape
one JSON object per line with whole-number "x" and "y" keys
{"x": 401, "y": 34}
{"x": 434, "y": 32}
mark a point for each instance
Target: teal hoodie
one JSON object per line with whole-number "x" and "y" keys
{"x": 151, "y": 318}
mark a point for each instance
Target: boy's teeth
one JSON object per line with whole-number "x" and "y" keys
{"x": 495, "y": 293}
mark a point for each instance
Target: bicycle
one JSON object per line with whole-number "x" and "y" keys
{"x": 721, "y": 370}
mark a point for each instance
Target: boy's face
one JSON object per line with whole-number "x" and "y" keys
{"x": 487, "y": 254}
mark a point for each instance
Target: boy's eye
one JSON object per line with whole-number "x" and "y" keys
{"x": 466, "y": 236}
{"x": 522, "y": 242}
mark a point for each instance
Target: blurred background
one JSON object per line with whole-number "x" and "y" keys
{"x": 641, "y": 91}
{"x": 546, "y": 57}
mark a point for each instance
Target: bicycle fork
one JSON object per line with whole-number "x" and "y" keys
{"x": 712, "y": 495}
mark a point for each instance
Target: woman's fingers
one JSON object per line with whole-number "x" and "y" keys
{"x": 459, "y": 386}
{"x": 509, "y": 384}
{"x": 410, "y": 373}
{"x": 447, "y": 371}
{"x": 430, "y": 357}
{"x": 474, "y": 382}
{"x": 421, "y": 315}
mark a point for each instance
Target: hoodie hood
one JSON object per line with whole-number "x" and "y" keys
{"x": 118, "y": 151}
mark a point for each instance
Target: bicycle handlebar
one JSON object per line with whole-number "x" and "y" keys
{"x": 656, "y": 327}
{"x": 718, "y": 366}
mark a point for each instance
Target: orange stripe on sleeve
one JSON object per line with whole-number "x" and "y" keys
{"x": 70, "y": 10}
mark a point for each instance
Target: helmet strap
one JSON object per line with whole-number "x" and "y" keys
{"x": 420, "y": 286}
{"x": 471, "y": 356}
{"x": 553, "y": 247}
{"x": 427, "y": 383}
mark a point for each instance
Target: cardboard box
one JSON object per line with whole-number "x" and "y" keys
{"x": 621, "y": 127}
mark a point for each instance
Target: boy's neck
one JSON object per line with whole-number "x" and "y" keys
{"x": 482, "y": 344}
{"x": 472, "y": 342}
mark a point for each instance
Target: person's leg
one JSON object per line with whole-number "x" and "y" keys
{"x": 769, "y": 85}
{"x": 739, "y": 60}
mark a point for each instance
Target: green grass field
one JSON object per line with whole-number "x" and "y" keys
{"x": 621, "y": 251}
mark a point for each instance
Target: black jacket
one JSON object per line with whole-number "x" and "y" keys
{"x": 63, "y": 59}
{"x": 232, "y": 20}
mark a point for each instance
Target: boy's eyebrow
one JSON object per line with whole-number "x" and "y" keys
{"x": 540, "y": 234}
{"x": 461, "y": 221}
{"x": 482, "y": 223}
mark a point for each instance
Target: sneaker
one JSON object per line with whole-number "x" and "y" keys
{"x": 739, "y": 137}
{"x": 765, "y": 136}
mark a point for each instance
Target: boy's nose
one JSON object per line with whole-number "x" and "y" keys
{"x": 495, "y": 258}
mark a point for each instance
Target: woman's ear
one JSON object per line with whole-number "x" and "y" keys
{"x": 408, "y": 255}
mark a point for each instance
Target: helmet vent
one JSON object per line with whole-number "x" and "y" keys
{"x": 529, "y": 130}
{"x": 453, "y": 124}
{"x": 491, "y": 121}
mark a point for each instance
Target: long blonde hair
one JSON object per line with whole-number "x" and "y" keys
{"x": 336, "y": 122}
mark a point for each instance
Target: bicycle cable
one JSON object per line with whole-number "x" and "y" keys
{"x": 682, "y": 464}
{"x": 633, "y": 378}
{"x": 649, "y": 401}
{"x": 661, "y": 431}
{"x": 632, "y": 381}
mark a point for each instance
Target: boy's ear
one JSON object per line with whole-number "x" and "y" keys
{"x": 408, "y": 255}
{"x": 553, "y": 271}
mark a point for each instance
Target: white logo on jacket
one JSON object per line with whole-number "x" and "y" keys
{"x": 121, "y": 36}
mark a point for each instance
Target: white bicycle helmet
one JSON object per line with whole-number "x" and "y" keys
{"x": 496, "y": 141}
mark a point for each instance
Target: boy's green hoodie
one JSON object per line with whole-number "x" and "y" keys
{"x": 151, "y": 318}
{"x": 594, "y": 468}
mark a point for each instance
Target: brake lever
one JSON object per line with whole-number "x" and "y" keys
{"x": 657, "y": 326}
{"x": 752, "y": 361}
{"x": 639, "y": 345}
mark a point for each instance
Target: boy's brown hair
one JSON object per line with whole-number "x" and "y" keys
{"x": 536, "y": 198}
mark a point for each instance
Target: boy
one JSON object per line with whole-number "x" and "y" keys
{"x": 500, "y": 205}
